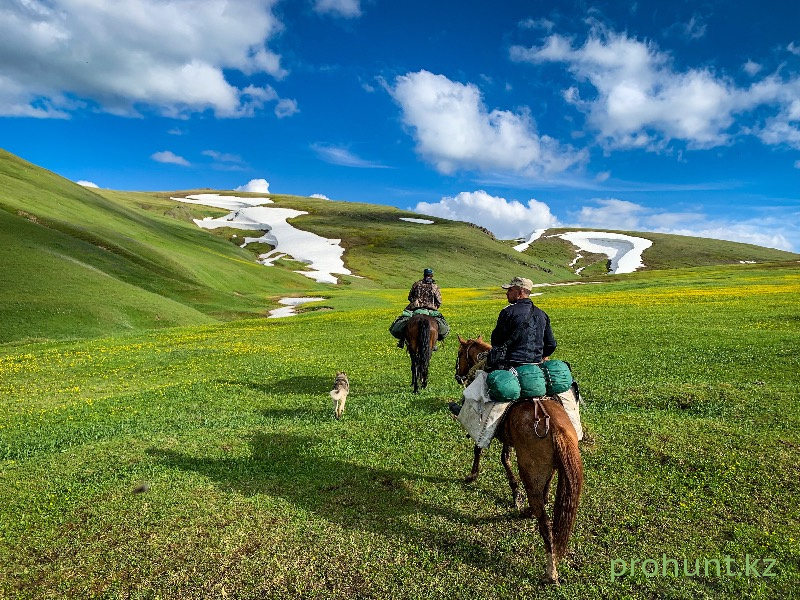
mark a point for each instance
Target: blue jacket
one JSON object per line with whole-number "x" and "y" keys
{"x": 535, "y": 340}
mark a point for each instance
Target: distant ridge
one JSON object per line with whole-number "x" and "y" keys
{"x": 81, "y": 262}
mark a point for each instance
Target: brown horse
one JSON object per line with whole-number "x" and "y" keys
{"x": 538, "y": 458}
{"x": 422, "y": 332}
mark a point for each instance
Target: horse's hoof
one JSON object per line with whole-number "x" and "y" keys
{"x": 470, "y": 478}
{"x": 519, "y": 502}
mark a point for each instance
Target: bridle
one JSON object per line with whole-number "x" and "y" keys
{"x": 465, "y": 350}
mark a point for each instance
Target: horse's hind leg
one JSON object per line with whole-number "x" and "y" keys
{"x": 516, "y": 493}
{"x": 537, "y": 478}
{"x": 473, "y": 475}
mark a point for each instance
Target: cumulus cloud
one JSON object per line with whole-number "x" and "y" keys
{"x": 169, "y": 157}
{"x": 615, "y": 214}
{"x": 88, "y": 184}
{"x": 751, "y": 68}
{"x": 320, "y": 196}
{"x": 259, "y": 186}
{"x": 454, "y": 130}
{"x": 163, "y": 55}
{"x": 635, "y": 97}
{"x": 339, "y": 155}
{"x": 505, "y": 219}
{"x": 348, "y": 9}
{"x": 286, "y": 108}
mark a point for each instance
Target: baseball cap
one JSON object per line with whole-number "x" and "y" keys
{"x": 520, "y": 282}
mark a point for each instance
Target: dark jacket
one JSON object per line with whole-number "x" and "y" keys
{"x": 535, "y": 340}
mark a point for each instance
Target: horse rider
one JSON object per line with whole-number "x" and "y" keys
{"x": 522, "y": 335}
{"x": 424, "y": 295}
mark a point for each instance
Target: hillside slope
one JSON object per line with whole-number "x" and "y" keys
{"x": 87, "y": 262}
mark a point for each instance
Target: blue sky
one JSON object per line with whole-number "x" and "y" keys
{"x": 680, "y": 117}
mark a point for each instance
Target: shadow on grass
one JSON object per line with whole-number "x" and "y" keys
{"x": 303, "y": 384}
{"x": 353, "y": 496}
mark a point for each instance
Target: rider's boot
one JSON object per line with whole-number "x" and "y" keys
{"x": 400, "y": 342}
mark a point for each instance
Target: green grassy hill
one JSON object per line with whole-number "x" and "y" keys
{"x": 204, "y": 461}
{"x": 81, "y": 262}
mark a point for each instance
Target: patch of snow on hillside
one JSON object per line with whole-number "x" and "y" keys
{"x": 421, "y": 221}
{"x": 323, "y": 256}
{"x": 624, "y": 251}
{"x": 534, "y": 236}
{"x": 290, "y": 303}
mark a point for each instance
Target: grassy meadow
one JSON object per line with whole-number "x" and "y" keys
{"x": 204, "y": 461}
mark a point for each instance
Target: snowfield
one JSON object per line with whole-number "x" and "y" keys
{"x": 624, "y": 251}
{"x": 323, "y": 256}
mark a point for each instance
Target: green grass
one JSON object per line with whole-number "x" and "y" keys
{"x": 253, "y": 490}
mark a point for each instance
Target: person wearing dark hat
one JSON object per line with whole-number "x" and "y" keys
{"x": 424, "y": 295}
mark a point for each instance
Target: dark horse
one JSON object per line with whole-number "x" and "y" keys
{"x": 421, "y": 334}
{"x": 538, "y": 458}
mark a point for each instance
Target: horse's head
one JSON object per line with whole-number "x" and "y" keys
{"x": 467, "y": 356}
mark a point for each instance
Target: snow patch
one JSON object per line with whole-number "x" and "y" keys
{"x": 290, "y": 303}
{"x": 534, "y": 236}
{"x": 421, "y": 221}
{"x": 624, "y": 251}
{"x": 323, "y": 256}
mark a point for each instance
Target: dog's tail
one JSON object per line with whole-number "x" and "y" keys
{"x": 337, "y": 393}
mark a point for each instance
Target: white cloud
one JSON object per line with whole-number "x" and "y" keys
{"x": 615, "y": 214}
{"x": 505, "y": 219}
{"x": 694, "y": 29}
{"x": 454, "y": 130}
{"x": 635, "y": 98}
{"x": 88, "y": 184}
{"x": 222, "y": 156}
{"x": 169, "y": 157}
{"x": 793, "y": 48}
{"x": 797, "y": 164}
{"x": 338, "y": 155}
{"x": 166, "y": 56}
{"x": 286, "y": 108}
{"x": 259, "y": 186}
{"x": 611, "y": 214}
{"x": 348, "y": 9}
{"x": 320, "y": 196}
{"x": 751, "y": 68}
{"x": 545, "y": 24}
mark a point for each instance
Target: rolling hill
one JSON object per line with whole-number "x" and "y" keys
{"x": 79, "y": 262}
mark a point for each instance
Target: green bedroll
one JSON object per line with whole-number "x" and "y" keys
{"x": 557, "y": 376}
{"x": 503, "y": 386}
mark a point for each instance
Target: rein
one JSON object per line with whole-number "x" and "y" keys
{"x": 467, "y": 349}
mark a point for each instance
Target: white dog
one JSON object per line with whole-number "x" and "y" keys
{"x": 341, "y": 387}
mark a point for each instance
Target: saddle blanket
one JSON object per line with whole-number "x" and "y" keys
{"x": 480, "y": 415}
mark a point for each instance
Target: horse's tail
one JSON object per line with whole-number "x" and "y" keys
{"x": 570, "y": 481}
{"x": 423, "y": 345}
